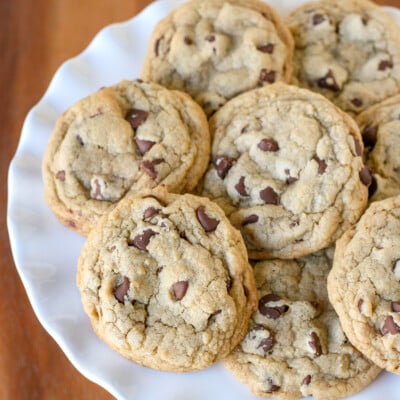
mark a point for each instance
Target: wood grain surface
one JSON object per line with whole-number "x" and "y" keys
{"x": 35, "y": 38}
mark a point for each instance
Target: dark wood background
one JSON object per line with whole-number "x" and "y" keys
{"x": 35, "y": 38}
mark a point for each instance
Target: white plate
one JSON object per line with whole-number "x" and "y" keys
{"x": 46, "y": 253}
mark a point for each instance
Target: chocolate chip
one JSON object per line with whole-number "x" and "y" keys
{"x": 251, "y": 219}
{"x": 148, "y": 166}
{"x": 210, "y": 38}
{"x": 179, "y": 289}
{"x": 223, "y": 165}
{"x": 212, "y": 316}
{"x": 315, "y": 344}
{"x": 395, "y": 306}
{"x": 209, "y": 224}
{"x": 390, "y": 326}
{"x": 182, "y": 234}
{"x": 356, "y": 102}
{"x": 306, "y": 380}
{"x": 268, "y": 145}
{"x": 369, "y": 135}
{"x": 266, "y": 48}
{"x": 157, "y": 46}
{"x": 271, "y": 312}
{"x": 141, "y": 241}
{"x": 384, "y": 64}
{"x": 136, "y": 117}
{"x": 294, "y": 223}
{"x": 240, "y": 187}
{"x": 187, "y": 40}
{"x": 60, "y": 175}
{"x": 372, "y": 188}
{"x": 365, "y": 176}
{"x": 318, "y": 19}
{"x": 272, "y": 388}
{"x": 144, "y": 145}
{"x": 96, "y": 194}
{"x": 357, "y": 146}
{"x": 328, "y": 82}
{"x": 267, "y": 76}
{"x": 266, "y": 344}
{"x": 321, "y": 165}
{"x": 121, "y": 290}
{"x": 149, "y": 212}
{"x": 80, "y": 140}
{"x": 360, "y": 304}
{"x": 269, "y": 196}
{"x": 291, "y": 180}
{"x": 159, "y": 269}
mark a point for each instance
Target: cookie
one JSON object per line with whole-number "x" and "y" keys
{"x": 216, "y": 49}
{"x": 287, "y": 169}
{"x": 349, "y": 51}
{"x": 295, "y": 346}
{"x": 118, "y": 141}
{"x": 380, "y": 128}
{"x": 364, "y": 286}
{"x": 166, "y": 282}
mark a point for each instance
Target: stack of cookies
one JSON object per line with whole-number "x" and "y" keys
{"x": 224, "y": 197}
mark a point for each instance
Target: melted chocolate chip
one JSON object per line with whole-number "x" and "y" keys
{"x": 60, "y": 175}
{"x": 141, "y": 241}
{"x": 80, "y": 140}
{"x": 136, "y": 117}
{"x": 385, "y": 64}
{"x": 159, "y": 269}
{"x": 250, "y": 219}
{"x": 360, "y": 304}
{"x": 121, "y": 290}
{"x": 209, "y": 224}
{"x": 269, "y": 196}
{"x": 306, "y": 380}
{"x": 266, "y": 48}
{"x": 365, "y": 176}
{"x": 187, "y": 40}
{"x": 271, "y": 312}
{"x": 149, "y": 212}
{"x": 356, "y": 102}
{"x": 315, "y": 344}
{"x": 157, "y": 46}
{"x": 179, "y": 289}
{"x": 357, "y": 146}
{"x": 272, "y": 388}
{"x": 318, "y": 19}
{"x": 271, "y": 297}
{"x": 144, "y": 145}
{"x": 395, "y": 305}
{"x": 294, "y": 223}
{"x": 97, "y": 194}
{"x": 268, "y": 145}
{"x": 240, "y": 187}
{"x": 148, "y": 166}
{"x": 266, "y": 344}
{"x": 321, "y": 165}
{"x": 267, "y": 76}
{"x": 328, "y": 82}
{"x": 390, "y": 326}
{"x": 223, "y": 165}
{"x": 291, "y": 180}
{"x": 210, "y": 38}
{"x": 369, "y": 135}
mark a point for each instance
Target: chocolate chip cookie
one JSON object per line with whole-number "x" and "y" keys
{"x": 380, "y": 128}
{"x": 287, "y": 169}
{"x": 216, "y": 49}
{"x": 118, "y": 141}
{"x": 347, "y": 50}
{"x": 166, "y": 282}
{"x": 295, "y": 346}
{"x": 364, "y": 286}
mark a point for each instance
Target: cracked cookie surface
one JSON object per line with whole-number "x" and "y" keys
{"x": 364, "y": 287}
{"x": 295, "y": 346}
{"x": 118, "y": 141}
{"x": 166, "y": 282}
{"x": 216, "y": 49}
{"x": 349, "y": 51}
{"x": 287, "y": 169}
{"x": 380, "y": 128}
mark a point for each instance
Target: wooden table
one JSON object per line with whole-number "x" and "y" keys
{"x": 35, "y": 38}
